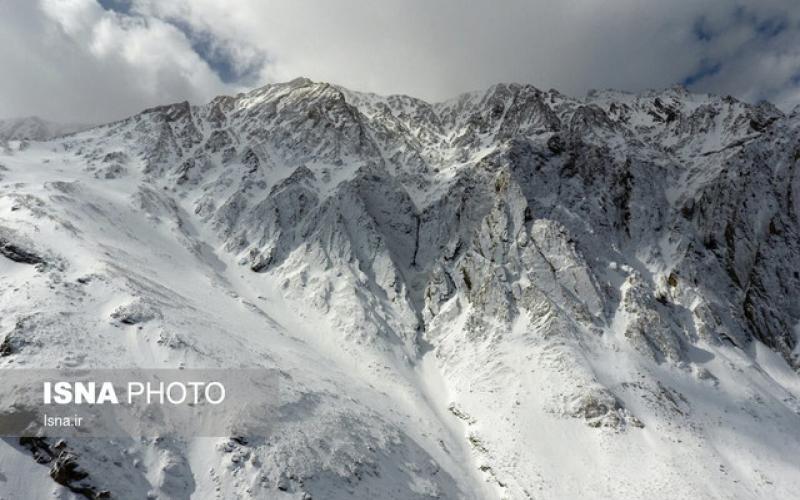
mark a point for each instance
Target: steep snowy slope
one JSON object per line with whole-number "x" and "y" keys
{"x": 511, "y": 294}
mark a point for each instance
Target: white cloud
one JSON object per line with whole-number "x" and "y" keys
{"x": 432, "y": 49}
{"x": 71, "y": 60}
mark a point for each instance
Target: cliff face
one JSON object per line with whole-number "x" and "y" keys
{"x": 511, "y": 294}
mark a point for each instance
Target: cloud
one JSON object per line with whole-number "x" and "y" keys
{"x": 74, "y": 61}
{"x": 98, "y": 60}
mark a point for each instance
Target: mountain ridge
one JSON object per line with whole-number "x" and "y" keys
{"x": 36, "y": 129}
{"x": 463, "y": 282}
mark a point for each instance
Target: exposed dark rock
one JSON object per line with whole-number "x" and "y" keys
{"x": 39, "y": 448}
{"x": 19, "y": 254}
{"x": 7, "y": 347}
{"x": 64, "y": 466}
{"x": 672, "y": 280}
{"x": 66, "y": 471}
{"x": 555, "y": 144}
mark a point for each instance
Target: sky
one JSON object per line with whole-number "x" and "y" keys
{"x": 91, "y": 61}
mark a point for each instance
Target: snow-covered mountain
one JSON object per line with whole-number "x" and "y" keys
{"x": 512, "y": 294}
{"x": 35, "y": 129}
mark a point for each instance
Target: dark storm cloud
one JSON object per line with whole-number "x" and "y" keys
{"x": 96, "y": 60}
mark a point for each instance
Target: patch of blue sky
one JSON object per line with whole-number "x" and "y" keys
{"x": 706, "y": 69}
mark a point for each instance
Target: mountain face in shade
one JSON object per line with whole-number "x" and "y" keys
{"x": 513, "y": 294}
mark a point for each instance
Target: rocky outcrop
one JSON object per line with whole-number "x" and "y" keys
{"x": 64, "y": 467}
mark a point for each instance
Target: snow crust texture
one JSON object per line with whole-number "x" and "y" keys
{"x": 513, "y": 294}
